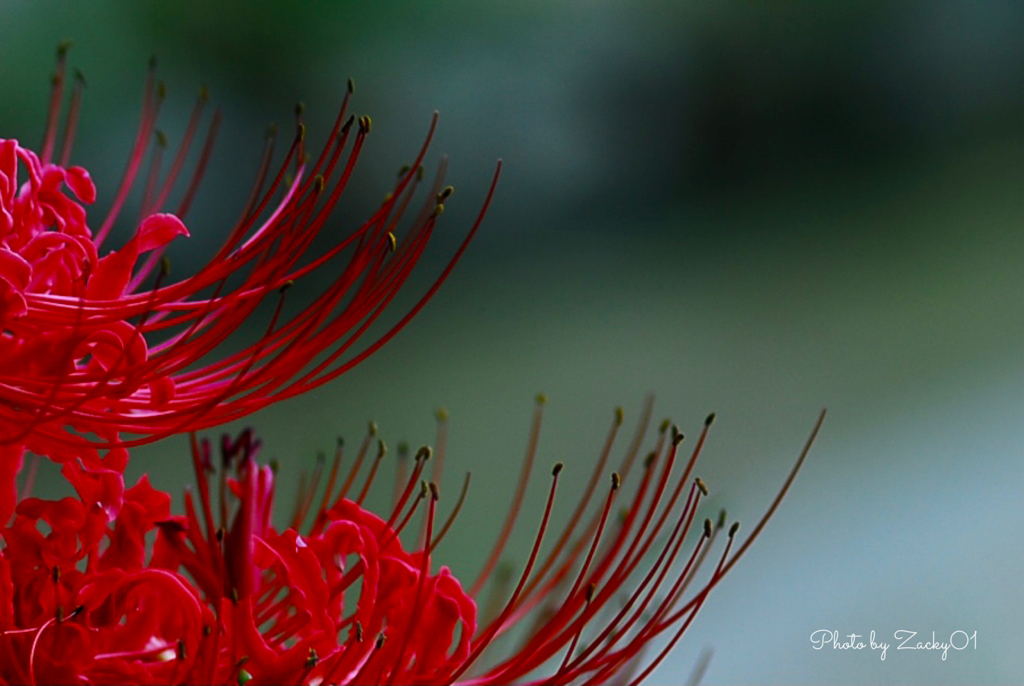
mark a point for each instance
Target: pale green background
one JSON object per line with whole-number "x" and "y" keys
{"x": 753, "y": 208}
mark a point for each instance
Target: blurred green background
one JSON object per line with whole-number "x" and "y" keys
{"x": 759, "y": 209}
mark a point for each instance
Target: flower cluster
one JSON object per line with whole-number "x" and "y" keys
{"x": 86, "y": 346}
{"x": 222, "y": 596}
{"x": 111, "y": 586}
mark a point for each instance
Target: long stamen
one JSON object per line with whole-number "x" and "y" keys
{"x": 71, "y": 123}
{"x": 496, "y": 626}
{"x": 53, "y": 112}
{"x": 517, "y": 499}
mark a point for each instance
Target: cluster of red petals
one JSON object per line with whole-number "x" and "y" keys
{"x": 90, "y": 353}
{"x": 222, "y": 596}
{"x": 82, "y": 600}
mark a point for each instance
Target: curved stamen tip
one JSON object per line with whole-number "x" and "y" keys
{"x": 424, "y": 453}
{"x": 438, "y": 209}
{"x": 708, "y": 528}
{"x": 541, "y": 399}
{"x": 372, "y": 428}
{"x": 677, "y": 435}
{"x": 701, "y": 486}
{"x": 710, "y": 419}
{"x": 445, "y": 194}
{"x": 435, "y": 492}
{"x": 318, "y": 183}
{"x": 364, "y": 124}
{"x": 441, "y": 414}
{"x": 392, "y": 242}
{"x": 557, "y": 469}
{"x": 300, "y": 132}
{"x": 620, "y": 415}
{"x": 351, "y": 85}
{"x": 382, "y": 448}
{"x": 733, "y": 529}
{"x": 616, "y": 481}
{"x": 285, "y": 286}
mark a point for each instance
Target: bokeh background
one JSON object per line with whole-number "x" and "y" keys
{"x": 758, "y": 209}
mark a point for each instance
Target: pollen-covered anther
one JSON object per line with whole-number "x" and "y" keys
{"x": 392, "y": 242}
{"x": 444, "y": 194}
{"x": 650, "y": 459}
{"x": 700, "y": 484}
{"x": 364, "y": 124}
{"x": 435, "y": 492}
{"x": 424, "y": 453}
{"x": 733, "y": 529}
{"x": 708, "y": 528}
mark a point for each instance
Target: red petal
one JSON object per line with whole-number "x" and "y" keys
{"x": 158, "y": 230}
{"x": 79, "y": 181}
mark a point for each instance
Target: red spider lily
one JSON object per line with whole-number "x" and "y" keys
{"x": 85, "y": 345}
{"x": 238, "y": 602}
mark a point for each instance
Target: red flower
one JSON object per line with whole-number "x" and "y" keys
{"x": 85, "y": 344}
{"x": 346, "y": 602}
